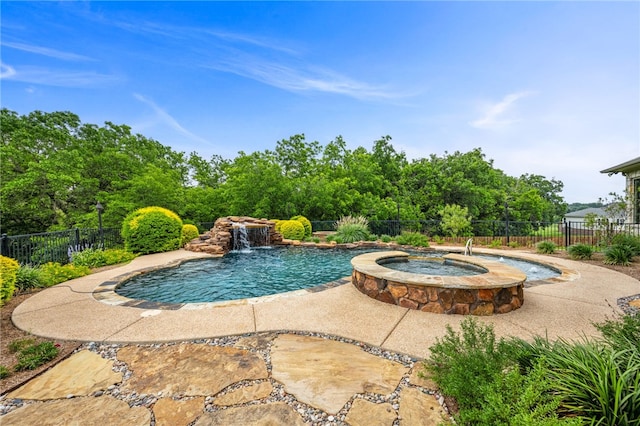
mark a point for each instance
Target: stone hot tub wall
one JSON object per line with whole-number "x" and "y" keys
{"x": 219, "y": 240}
{"x": 499, "y": 290}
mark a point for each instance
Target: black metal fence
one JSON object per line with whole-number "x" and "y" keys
{"x": 503, "y": 233}
{"x": 59, "y": 246}
{"x": 37, "y": 249}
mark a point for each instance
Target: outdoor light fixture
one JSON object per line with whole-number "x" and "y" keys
{"x": 99, "y": 208}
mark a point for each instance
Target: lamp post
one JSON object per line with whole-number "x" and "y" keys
{"x": 99, "y": 208}
{"x": 506, "y": 216}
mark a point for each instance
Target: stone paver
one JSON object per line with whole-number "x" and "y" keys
{"x": 416, "y": 379}
{"x": 78, "y": 411}
{"x": 256, "y": 415}
{"x": 79, "y": 375}
{"x": 327, "y": 373}
{"x": 169, "y": 412}
{"x": 419, "y": 409}
{"x": 189, "y": 370}
{"x": 245, "y": 394}
{"x": 366, "y": 413}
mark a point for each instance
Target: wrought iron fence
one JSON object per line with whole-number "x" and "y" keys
{"x": 37, "y": 249}
{"x": 59, "y": 246}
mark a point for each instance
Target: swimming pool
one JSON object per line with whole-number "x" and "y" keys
{"x": 261, "y": 272}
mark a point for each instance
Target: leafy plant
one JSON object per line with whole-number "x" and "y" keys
{"x": 152, "y": 230}
{"x": 4, "y": 372}
{"x": 352, "y": 232}
{"x": 463, "y": 363}
{"x": 33, "y": 356}
{"x": 306, "y": 223}
{"x": 495, "y": 243}
{"x": 189, "y": 232}
{"x": 546, "y": 247}
{"x": 385, "y": 238}
{"x": 514, "y": 244}
{"x": 455, "y": 220}
{"x": 580, "y": 251}
{"x": 630, "y": 241}
{"x": 20, "y": 344}
{"x": 438, "y": 239}
{"x": 53, "y": 273}
{"x": 618, "y": 254}
{"x": 8, "y": 271}
{"x": 28, "y": 277}
{"x": 415, "y": 239}
{"x": 93, "y": 258}
{"x": 292, "y": 229}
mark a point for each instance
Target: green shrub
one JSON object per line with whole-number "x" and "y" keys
{"x": 514, "y": 244}
{"x": 622, "y": 332}
{"x": 352, "y": 232}
{"x": 385, "y": 238}
{"x": 189, "y": 232}
{"x": 438, "y": 239}
{"x": 618, "y": 254}
{"x": 580, "y": 251}
{"x": 8, "y": 271}
{"x": 516, "y": 399}
{"x": 152, "y": 230}
{"x": 93, "y": 258}
{"x": 455, "y": 220}
{"x": 28, "y": 278}
{"x": 53, "y": 273}
{"x": 546, "y": 247}
{"x": 462, "y": 363}
{"x": 495, "y": 243}
{"x": 415, "y": 239}
{"x": 18, "y": 345}
{"x": 292, "y": 229}
{"x": 33, "y": 356}
{"x": 4, "y": 372}
{"x": 306, "y": 223}
{"x": 630, "y": 241}
{"x": 278, "y": 224}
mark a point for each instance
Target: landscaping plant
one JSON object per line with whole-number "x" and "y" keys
{"x": 351, "y": 229}
{"x": 546, "y": 247}
{"x": 306, "y": 223}
{"x": 189, "y": 232}
{"x": 580, "y": 251}
{"x": 292, "y": 229}
{"x": 412, "y": 239}
{"x": 93, "y": 258}
{"x": 8, "y": 270}
{"x": 152, "y": 230}
{"x": 53, "y": 273}
{"x": 27, "y": 278}
{"x": 34, "y": 355}
{"x": 618, "y": 254}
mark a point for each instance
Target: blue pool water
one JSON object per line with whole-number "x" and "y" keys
{"x": 262, "y": 272}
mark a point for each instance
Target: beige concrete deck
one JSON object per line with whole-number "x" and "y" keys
{"x": 564, "y": 308}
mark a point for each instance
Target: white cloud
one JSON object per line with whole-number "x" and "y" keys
{"x": 45, "y": 51}
{"x": 496, "y": 115}
{"x": 165, "y": 118}
{"x": 6, "y": 71}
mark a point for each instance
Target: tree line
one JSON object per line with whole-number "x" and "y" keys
{"x": 56, "y": 168}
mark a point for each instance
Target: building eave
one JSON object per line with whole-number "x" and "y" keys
{"x": 626, "y": 167}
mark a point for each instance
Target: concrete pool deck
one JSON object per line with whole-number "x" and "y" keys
{"x": 563, "y": 309}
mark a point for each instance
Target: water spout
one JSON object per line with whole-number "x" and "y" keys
{"x": 468, "y": 248}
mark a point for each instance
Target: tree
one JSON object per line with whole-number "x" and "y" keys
{"x": 455, "y": 220}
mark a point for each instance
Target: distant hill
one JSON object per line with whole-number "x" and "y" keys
{"x": 579, "y": 206}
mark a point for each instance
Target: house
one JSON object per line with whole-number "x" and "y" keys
{"x": 579, "y": 215}
{"x": 631, "y": 171}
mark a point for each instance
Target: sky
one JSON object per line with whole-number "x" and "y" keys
{"x": 546, "y": 88}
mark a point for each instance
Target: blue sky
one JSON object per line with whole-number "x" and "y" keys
{"x": 549, "y": 88}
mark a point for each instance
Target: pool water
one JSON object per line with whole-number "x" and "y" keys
{"x": 260, "y": 272}
{"x": 534, "y": 271}
{"x": 267, "y": 271}
{"x": 432, "y": 266}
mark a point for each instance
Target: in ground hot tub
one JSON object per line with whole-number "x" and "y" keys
{"x": 499, "y": 289}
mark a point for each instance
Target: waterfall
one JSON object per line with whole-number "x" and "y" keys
{"x": 240, "y": 238}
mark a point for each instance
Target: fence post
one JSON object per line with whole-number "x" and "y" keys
{"x": 567, "y": 233}
{"x": 77, "y": 244}
{"x": 4, "y": 245}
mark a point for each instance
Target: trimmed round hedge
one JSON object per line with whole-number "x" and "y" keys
{"x": 306, "y": 223}
{"x": 189, "y": 232}
{"x": 8, "y": 271}
{"x": 292, "y": 229}
{"x": 152, "y": 230}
